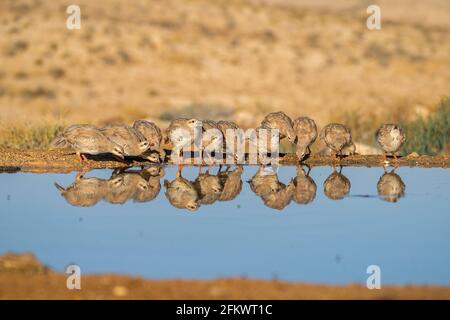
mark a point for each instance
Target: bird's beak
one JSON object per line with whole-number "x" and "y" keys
{"x": 151, "y": 159}
{"x": 119, "y": 157}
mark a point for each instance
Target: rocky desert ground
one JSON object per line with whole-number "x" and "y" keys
{"x": 230, "y": 59}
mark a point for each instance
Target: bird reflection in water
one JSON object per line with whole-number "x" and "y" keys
{"x": 145, "y": 185}
{"x": 139, "y": 186}
{"x": 264, "y": 182}
{"x": 390, "y": 186}
{"x": 336, "y": 186}
{"x": 124, "y": 185}
{"x": 280, "y": 199}
{"x": 275, "y": 194}
{"x": 84, "y": 192}
{"x": 182, "y": 193}
{"x": 231, "y": 182}
{"x": 305, "y": 187}
{"x": 206, "y": 189}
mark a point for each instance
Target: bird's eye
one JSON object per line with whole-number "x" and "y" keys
{"x": 144, "y": 186}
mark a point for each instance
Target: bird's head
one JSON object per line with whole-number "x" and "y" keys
{"x": 301, "y": 152}
{"x": 144, "y": 145}
{"x": 118, "y": 152}
{"x": 153, "y": 157}
{"x": 142, "y": 185}
{"x": 192, "y": 205}
{"x": 216, "y": 189}
{"x": 291, "y": 135}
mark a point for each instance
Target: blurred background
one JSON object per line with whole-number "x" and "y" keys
{"x": 225, "y": 59}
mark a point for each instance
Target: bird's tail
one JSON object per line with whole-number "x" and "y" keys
{"x": 59, "y": 187}
{"x": 59, "y": 142}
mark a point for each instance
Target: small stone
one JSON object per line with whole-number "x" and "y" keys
{"x": 413, "y": 155}
{"x": 216, "y": 291}
{"x": 120, "y": 291}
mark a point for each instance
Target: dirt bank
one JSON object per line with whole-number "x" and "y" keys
{"x": 13, "y": 160}
{"x": 24, "y": 277}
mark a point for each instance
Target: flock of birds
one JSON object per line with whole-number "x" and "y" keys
{"x": 144, "y": 185}
{"x": 144, "y": 139}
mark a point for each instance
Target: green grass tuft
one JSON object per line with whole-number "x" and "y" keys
{"x": 29, "y": 138}
{"x": 429, "y": 136}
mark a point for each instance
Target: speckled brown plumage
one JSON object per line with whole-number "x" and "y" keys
{"x": 224, "y": 125}
{"x": 133, "y": 185}
{"x": 336, "y": 186}
{"x": 87, "y": 139}
{"x": 236, "y": 133}
{"x": 153, "y": 135}
{"x": 183, "y": 133}
{"x": 281, "y": 198}
{"x": 212, "y": 139}
{"x": 208, "y": 187}
{"x": 282, "y": 122}
{"x": 231, "y": 182}
{"x": 119, "y": 189}
{"x": 132, "y": 141}
{"x": 306, "y": 133}
{"x": 263, "y": 142}
{"x": 390, "y": 187}
{"x": 263, "y": 183}
{"x": 182, "y": 194}
{"x": 336, "y": 136}
{"x": 174, "y": 132}
{"x": 150, "y": 131}
{"x": 390, "y": 137}
{"x": 305, "y": 187}
{"x": 84, "y": 192}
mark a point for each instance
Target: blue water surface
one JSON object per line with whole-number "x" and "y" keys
{"x": 327, "y": 241}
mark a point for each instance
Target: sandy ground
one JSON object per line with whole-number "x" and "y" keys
{"x": 230, "y": 59}
{"x": 23, "y": 277}
{"x": 13, "y": 160}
